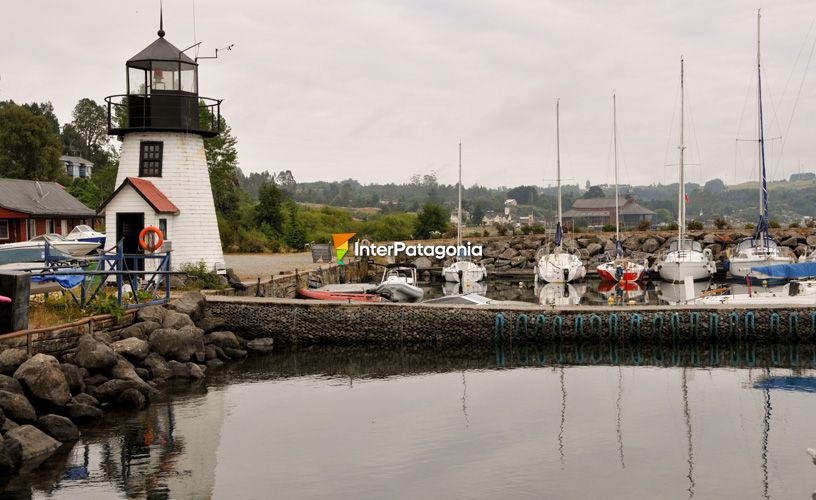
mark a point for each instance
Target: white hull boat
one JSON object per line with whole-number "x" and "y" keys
{"x": 559, "y": 294}
{"x": 399, "y": 284}
{"x": 33, "y": 250}
{"x": 85, "y": 233}
{"x": 464, "y": 288}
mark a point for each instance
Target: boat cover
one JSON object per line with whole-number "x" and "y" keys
{"x": 62, "y": 277}
{"x": 786, "y": 271}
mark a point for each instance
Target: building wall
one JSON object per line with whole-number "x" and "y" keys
{"x": 185, "y": 181}
{"x": 18, "y": 225}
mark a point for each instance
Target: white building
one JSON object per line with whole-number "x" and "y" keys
{"x": 163, "y": 180}
{"x": 76, "y": 167}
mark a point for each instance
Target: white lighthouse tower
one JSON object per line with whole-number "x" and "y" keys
{"x": 163, "y": 179}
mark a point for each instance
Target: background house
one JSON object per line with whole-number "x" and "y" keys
{"x": 31, "y": 208}
{"x": 600, "y": 211}
{"x": 77, "y": 167}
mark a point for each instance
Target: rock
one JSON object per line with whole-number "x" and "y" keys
{"x": 75, "y": 376}
{"x": 81, "y": 412}
{"x": 594, "y": 249}
{"x": 222, "y": 340}
{"x": 811, "y": 240}
{"x": 123, "y": 370}
{"x": 139, "y": 330}
{"x": 180, "y": 345}
{"x": 650, "y": 245}
{"x": 35, "y": 445}
{"x": 132, "y": 347}
{"x": 96, "y": 380}
{"x": 421, "y": 263}
{"x": 212, "y": 323}
{"x": 151, "y": 313}
{"x": 110, "y": 390}
{"x": 213, "y": 363}
{"x": 609, "y": 246}
{"x": 791, "y": 242}
{"x": 41, "y": 376}
{"x": 220, "y": 353}
{"x": 2, "y": 419}
{"x": 10, "y": 384}
{"x": 630, "y": 243}
{"x": 157, "y": 366}
{"x": 235, "y": 353}
{"x": 7, "y": 461}
{"x": 103, "y": 337}
{"x": 185, "y": 370}
{"x": 143, "y": 373}
{"x": 85, "y": 399}
{"x": 59, "y": 428}
{"x": 131, "y": 398}
{"x": 11, "y": 359}
{"x": 209, "y": 352}
{"x": 175, "y": 320}
{"x": 509, "y": 254}
{"x": 93, "y": 354}
{"x": 801, "y": 250}
{"x": 518, "y": 261}
{"x": 16, "y": 406}
{"x": 260, "y": 345}
{"x": 8, "y": 424}
{"x": 709, "y": 238}
{"x": 191, "y": 304}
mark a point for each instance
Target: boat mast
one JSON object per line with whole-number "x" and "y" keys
{"x": 558, "y": 162}
{"x": 763, "y": 188}
{"x": 681, "y": 203}
{"x": 459, "y": 213}
{"x": 615, "y": 140}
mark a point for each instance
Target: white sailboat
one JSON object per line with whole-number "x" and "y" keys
{"x": 464, "y": 271}
{"x": 619, "y": 268}
{"x": 685, "y": 257}
{"x": 560, "y": 266}
{"x": 758, "y": 249}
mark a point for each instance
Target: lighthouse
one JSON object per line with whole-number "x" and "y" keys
{"x": 163, "y": 180}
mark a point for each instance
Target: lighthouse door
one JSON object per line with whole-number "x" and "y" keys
{"x": 128, "y": 227}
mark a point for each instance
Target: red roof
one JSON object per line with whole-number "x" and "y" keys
{"x": 149, "y": 192}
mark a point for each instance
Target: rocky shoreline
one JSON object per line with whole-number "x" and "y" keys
{"x": 45, "y": 400}
{"x": 518, "y": 252}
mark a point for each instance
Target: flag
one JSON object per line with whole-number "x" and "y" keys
{"x": 558, "y": 233}
{"x": 686, "y": 198}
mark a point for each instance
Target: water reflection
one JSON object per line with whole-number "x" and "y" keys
{"x": 476, "y": 422}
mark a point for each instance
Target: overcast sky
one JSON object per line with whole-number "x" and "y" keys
{"x": 378, "y": 90}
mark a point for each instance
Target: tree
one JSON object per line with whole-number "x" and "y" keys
{"x": 222, "y": 164}
{"x": 594, "y": 192}
{"x": 46, "y": 110}
{"x": 477, "y": 215}
{"x": 431, "y": 218}
{"x": 524, "y": 195}
{"x": 664, "y": 215}
{"x": 91, "y": 126}
{"x": 86, "y": 191}
{"x": 714, "y": 186}
{"x": 29, "y": 147}
{"x": 269, "y": 210}
{"x": 294, "y": 234}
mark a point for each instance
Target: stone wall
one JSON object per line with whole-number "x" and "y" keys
{"x": 318, "y": 322}
{"x": 286, "y": 285}
{"x": 61, "y": 338}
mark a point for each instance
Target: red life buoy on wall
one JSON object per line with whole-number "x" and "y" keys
{"x": 156, "y": 242}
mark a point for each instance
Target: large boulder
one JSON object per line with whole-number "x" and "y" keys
{"x": 191, "y": 304}
{"x": 185, "y": 370}
{"x": 509, "y": 254}
{"x": 131, "y": 398}
{"x": 123, "y": 370}
{"x": 151, "y": 313}
{"x": 260, "y": 345}
{"x": 132, "y": 347}
{"x": 10, "y": 384}
{"x": 17, "y": 407}
{"x": 35, "y": 445}
{"x": 11, "y": 359}
{"x": 110, "y": 390}
{"x": 42, "y": 377}
{"x": 791, "y": 242}
{"x": 650, "y": 245}
{"x": 222, "y": 340}
{"x": 210, "y": 323}
{"x": 175, "y": 320}
{"x": 631, "y": 243}
{"x": 85, "y": 399}
{"x": 82, "y": 412}
{"x": 594, "y": 249}
{"x": 140, "y": 330}
{"x": 7, "y": 462}
{"x": 157, "y": 366}
{"x": 58, "y": 427}
{"x": 180, "y": 345}
{"x": 93, "y": 354}
{"x": 75, "y": 376}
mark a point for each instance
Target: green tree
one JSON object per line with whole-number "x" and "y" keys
{"x": 222, "y": 163}
{"x": 431, "y": 218}
{"x": 268, "y": 211}
{"x": 714, "y": 186}
{"x": 86, "y": 191}
{"x": 476, "y": 215}
{"x": 29, "y": 147}
{"x": 294, "y": 234}
{"x": 594, "y": 192}
{"x": 91, "y": 126}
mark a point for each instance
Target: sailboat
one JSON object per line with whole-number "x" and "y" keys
{"x": 462, "y": 271}
{"x": 560, "y": 266}
{"x": 685, "y": 257}
{"x": 619, "y": 268}
{"x": 758, "y": 249}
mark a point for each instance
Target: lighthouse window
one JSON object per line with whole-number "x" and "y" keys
{"x": 150, "y": 161}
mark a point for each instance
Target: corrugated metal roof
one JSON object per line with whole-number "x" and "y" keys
{"x": 590, "y": 203}
{"x": 160, "y": 50}
{"x": 22, "y": 195}
{"x": 635, "y": 209}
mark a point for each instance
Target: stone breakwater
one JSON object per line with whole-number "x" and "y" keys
{"x": 46, "y": 398}
{"x": 307, "y": 322}
{"x": 518, "y": 252}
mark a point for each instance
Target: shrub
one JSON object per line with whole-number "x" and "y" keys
{"x": 198, "y": 276}
{"x": 608, "y": 228}
{"x": 793, "y": 225}
{"x": 673, "y": 226}
{"x": 526, "y": 229}
{"x": 774, "y": 224}
{"x": 720, "y": 223}
{"x": 694, "y": 225}
{"x": 538, "y": 229}
{"x": 749, "y": 226}
{"x": 486, "y": 233}
{"x": 644, "y": 225}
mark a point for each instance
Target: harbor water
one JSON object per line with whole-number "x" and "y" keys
{"x": 550, "y": 421}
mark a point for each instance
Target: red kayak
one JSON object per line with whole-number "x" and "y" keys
{"x": 308, "y": 293}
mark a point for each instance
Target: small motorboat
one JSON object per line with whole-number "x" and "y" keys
{"x": 319, "y": 294}
{"x": 85, "y": 233}
{"x": 398, "y": 284}
{"x": 33, "y": 250}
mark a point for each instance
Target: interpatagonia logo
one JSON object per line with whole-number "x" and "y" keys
{"x": 341, "y": 245}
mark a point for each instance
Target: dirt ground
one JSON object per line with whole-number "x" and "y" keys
{"x": 252, "y": 265}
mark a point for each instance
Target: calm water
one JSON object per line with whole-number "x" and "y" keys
{"x": 361, "y": 423}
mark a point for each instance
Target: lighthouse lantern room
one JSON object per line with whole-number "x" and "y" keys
{"x": 163, "y": 180}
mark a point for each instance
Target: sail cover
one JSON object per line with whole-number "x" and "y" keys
{"x": 558, "y": 234}
{"x": 789, "y": 271}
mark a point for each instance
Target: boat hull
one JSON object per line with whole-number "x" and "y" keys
{"x": 307, "y": 293}
{"x": 629, "y": 271}
{"x": 464, "y": 271}
{"x": 676, "y": 267}
{"x": 560, "y": 268}
{"x": 740, "y": 267}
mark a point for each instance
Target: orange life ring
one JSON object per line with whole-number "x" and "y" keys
{"x": 159, "y": 239}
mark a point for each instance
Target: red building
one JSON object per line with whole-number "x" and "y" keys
{"x": 31, "y": 208}
{"x": 600, "y": 211}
